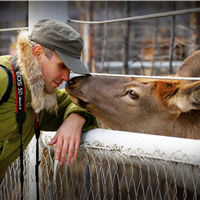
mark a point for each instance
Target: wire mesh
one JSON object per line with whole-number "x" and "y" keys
{"x": 101, "y": 172}
{"x": 10, "y": 187}
{"x": 104, "y": 172}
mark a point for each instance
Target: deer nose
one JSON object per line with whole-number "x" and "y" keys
{"x": 69, "y": 83}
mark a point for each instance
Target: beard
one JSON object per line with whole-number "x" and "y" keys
{"x": 50, "y": 102}
{"x": 48, "y": 89}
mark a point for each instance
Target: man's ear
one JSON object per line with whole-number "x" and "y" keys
{"x": 37, "y": 51}
{"x": 186, "y": 97}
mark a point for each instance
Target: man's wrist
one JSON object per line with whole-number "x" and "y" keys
{"x": 78, "y": 118}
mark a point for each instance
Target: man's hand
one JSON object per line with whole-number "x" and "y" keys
{"x": 68, "y": 138}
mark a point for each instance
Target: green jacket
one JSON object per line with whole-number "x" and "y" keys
{"x": 9, "y": 133}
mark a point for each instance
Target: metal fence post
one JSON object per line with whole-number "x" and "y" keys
{"x": 52, "y": 10}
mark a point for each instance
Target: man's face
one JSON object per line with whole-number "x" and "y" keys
{"x": 54, "y": 72}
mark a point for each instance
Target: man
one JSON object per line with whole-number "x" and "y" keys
{"x": 45, "y": 58}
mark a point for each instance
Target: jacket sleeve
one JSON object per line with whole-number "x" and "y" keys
{"x": 3, "y": 82}
{"x": 51, "y": 122}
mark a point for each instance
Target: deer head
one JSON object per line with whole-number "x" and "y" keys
{"x": 152, "y": 106}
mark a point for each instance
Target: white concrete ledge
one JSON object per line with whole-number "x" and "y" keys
{"x": 174, "y": 159}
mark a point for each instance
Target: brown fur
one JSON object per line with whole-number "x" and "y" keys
{"x": 170, "y": 107}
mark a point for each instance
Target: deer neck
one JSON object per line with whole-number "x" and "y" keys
{"x": 187, "y": 125}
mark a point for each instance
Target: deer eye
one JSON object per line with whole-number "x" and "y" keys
{"x": 133, "y": 95}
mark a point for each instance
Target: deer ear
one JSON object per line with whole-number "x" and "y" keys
{"x": 190, "y": 66}
{"x": 186, "y": 98}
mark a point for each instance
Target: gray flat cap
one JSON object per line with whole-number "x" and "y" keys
{"x": 63, "y": 39}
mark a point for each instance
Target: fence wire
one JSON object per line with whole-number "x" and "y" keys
{"x": 102, "y": 172}
{"x": 151, "y": 16}
{"x": 107, "y": 172}
{"x": 10, "y": 187}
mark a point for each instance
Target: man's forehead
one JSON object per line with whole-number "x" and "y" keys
{"x": 60, "y": 61}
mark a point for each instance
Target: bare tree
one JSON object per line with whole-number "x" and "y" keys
{"x": 82, "y": 25}
{"x": 126, "y": 39}
{"x": 194, "y": 26}
{"x": 105, "y": 38}
{"x": 171, "y": 50}
{"x": 91, "y": 51}
{"x": 154, "y": 47}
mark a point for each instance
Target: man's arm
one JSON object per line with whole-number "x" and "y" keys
{"x": 68, "y": 138}
{"x": 3, "y": 82}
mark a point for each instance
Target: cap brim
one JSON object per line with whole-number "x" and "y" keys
{"x": 74, "y": 64}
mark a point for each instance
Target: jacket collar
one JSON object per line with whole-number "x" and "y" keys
{"x": 31, "y": 71}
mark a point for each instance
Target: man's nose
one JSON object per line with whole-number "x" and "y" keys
{"x": 65, "y": 76}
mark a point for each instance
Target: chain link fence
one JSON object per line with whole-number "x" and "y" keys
{"x": 112, "y": 169}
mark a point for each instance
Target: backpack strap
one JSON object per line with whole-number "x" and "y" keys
{"x": 9, "y": 86}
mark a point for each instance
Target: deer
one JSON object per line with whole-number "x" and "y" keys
{"x": 151, "y": 106}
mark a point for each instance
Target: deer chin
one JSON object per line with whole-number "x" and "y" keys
{"x": 78, "y": 101}
{"x": 82, "y": 103}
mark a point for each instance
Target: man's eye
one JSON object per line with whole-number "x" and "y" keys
{"x": 133, "y": 95}
{"x": 62, "y": 66}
